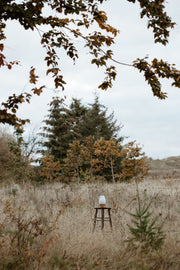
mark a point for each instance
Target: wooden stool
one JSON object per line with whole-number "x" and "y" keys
{"x": 102, "y": 218}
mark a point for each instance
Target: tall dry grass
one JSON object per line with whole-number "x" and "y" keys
{"x": 65, "y": 214}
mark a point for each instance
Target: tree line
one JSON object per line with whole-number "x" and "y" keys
{"x": 76, "y": 143}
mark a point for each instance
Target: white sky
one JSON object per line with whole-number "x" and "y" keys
{"x": 151, "y": 122}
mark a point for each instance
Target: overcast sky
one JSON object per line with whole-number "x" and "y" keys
{"x": 151, "y": 122}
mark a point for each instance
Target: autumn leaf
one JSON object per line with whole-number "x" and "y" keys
{"x": 33, "y": 77}
{"x": 1, "y": 47}
{"x": 38, "y": 91}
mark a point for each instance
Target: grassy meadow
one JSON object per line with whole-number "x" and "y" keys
{"x": 50, "y": 226}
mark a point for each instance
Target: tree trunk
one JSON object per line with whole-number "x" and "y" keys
{"x": 112, "y": 171}
{"x": 91, "y": 168}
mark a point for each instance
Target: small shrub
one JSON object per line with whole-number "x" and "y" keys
{"x": 145, "y": 229}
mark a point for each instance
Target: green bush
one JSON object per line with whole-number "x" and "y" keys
{"x": 145, "y": 229}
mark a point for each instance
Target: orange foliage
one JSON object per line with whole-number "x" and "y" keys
{"x": 134, "y": 162}
{"x": 50, "y": 168}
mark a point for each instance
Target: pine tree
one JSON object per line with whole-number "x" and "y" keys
{"x": 57, "y": 130}
{"x": 98, "y": 124}
{"x": 77, "y": 112}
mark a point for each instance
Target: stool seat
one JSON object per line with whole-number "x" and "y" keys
{"x": 102, "y": 217}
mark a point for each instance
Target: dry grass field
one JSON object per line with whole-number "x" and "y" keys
{"x": 50, "y": 226}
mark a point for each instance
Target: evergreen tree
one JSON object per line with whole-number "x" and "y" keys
{"x": 57, "y": 130}
{"x": 98, "y": 124}
{"x": 77, "y": 112}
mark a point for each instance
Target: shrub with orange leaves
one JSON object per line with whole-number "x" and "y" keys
{"x": 134, "y": 162}
{"x": 49, "y": 168}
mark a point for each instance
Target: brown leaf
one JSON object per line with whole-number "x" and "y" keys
{"x": 1, "y": 47}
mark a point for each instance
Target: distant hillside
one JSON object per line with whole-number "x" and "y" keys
{"x": 167, "y": 167}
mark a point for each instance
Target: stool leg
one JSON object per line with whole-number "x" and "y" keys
{"x": 95, "y": 219}
{"x": 110, "y": 221}
{"x": 102, "y": 217}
